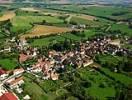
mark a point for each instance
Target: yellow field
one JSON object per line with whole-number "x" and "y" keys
{"x": 30, "y": 9}
{"x": 87, "y": 17}
{"x": 41, "y": 30}
{"x": 7, "y": 15}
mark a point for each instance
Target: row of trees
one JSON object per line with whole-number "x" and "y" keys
{"x": 121, "y": 63}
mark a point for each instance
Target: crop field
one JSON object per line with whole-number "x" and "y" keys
{"x": 37, "y": 93}
{"x": 53, "y": 89}
{"x": 122, "y": 28}
{"x": 30, "y": 9}
{"x": 41, "y": 30}
{"x": 8, "y": 64}
{"x": 103, "y": 11}
{"x": 60, "y": 38}
{"x": 80, "y": 20}
{"x": 87, "y": 17}
{"x": 24, "y": 22}
{"x": 96, "y": 79}
{"x": 7, "y": 16}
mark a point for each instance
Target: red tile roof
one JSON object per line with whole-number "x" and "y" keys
{"x": 8, "y": 96}
{"x": 2, "y": 71}
{"x": 23, "y": 57}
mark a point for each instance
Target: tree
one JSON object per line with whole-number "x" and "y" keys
{"x": 44, "y": 22}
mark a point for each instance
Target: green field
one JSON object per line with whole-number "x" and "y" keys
{"x": 60, "y": 38}
{"x": 54, "y": 89}
{"x": 97, "y": 79}
{"x": 8, "y": 64}
{"x": 86, "y": 22}
{"x": 34, "y": 90}
{"x": 21, "y": 23}
{"x": 43, "y": 90}
{"x": 123, "y": 28}
{"x": 118, "y": 76}
{"x": 102, "y": 11}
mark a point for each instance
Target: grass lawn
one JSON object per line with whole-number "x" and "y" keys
{"x": 49, "y": 85}
{"x": 58, "y": 38}
{"x": 128, "y": 46}
{"x": 103, "y": 11}
{"x": 96, "y": 79}
{"x": 2, "y": 36}
{"x": 46, "y": 41}
{"x": 44, "y": 90}
{"x": 24, "y": 22}
{"x": 34, "y": 90}
{"x": 103, "y": 59}
{"x": 8, "y": 64}
{"x": 122, "y": 28}
{"x": 118, "y": 76}
{"x": 87, "y": 22}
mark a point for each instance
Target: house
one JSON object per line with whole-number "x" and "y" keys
{"x": 36, "y": 69}
{"x": 54, "y": 76}
{"x": 19, "y": 90}
{"x": 2, "y": 90}
{"x": 23, "y": 57}
{"x": 115, "y": 42}
{"x": 27, "y": 97}
{"x": 3, "y": 74}
{"x": 8, "y": 49}
{"x": 87, "y": 63}
{"x": 18, "y": 71}
{"x": 15, "y": 83}
{"x": 8, "y": 96}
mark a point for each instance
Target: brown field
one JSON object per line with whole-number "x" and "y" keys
{"x": 7, "y": 15}
{"x": 30, "y": 9}
{"x": 41, "y": 30}
{"x": 87, "y": 17}
{"x": 82, "y": 16}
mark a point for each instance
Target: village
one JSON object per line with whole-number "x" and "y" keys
{"x": 49, "y": 67}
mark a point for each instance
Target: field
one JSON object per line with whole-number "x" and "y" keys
{"x": 80, "y": 20}
{"x": 21, "y": 23}
{"x": 37, "y": 93}
{"x": 30, "y": 9}
{"x": 41, "y": 30}
{"x": 101, "y": 11}
{"x": 96, "y": 79}
{"x": 118, "y": 76}
{"x": 123, "y": 28}
{"x": 81, "y": 16}
{"x": 53, "y": 89}
{"x": 8, "y": 64}
{"x": 60, "y": 38}
{"x": 7, "y": 16}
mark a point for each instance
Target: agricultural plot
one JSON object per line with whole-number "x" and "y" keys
{"x": 90, "y": 23}
{"x": 7, "y": 16}
{"x": 8, "y": 64}
{"x": 21, "y": 23}
{"x": 30, "y": 9}
{"x": 37, "y": 93}
{"x": 123, "y": 28}
{"x": 97, "y": 79}
{"x": 45, "y": 41}
{"x": 50, "y": 90}
{"x": 126, "y": 80}
{"x": 117, "y": 13}
{"x": 41, "y": 30}
{"x": 43, "y": 89}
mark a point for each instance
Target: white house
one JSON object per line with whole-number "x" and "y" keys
{"x": 15, "y": 83}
